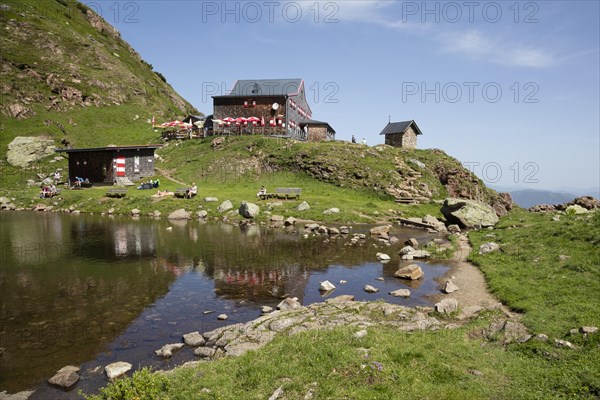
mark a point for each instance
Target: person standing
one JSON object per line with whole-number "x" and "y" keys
{"x": 353, "y": 139}
{"x": 364, "y": 141}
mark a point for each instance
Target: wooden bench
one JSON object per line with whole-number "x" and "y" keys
{"x": 182, "y": 193}
{"x": 288, "y": 193}
{"x": 116, "y": 192}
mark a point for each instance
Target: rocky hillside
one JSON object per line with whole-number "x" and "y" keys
{"x": 68, "y": 74}
{"x": 389, "y": 172}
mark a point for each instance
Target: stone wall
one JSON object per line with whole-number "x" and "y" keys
{"x": 409, "y": 139}
{"x": 406, "y": 140}
{"x": 317, "y": 133}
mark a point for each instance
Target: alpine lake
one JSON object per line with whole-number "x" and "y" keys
{"x": 88, "y": 290}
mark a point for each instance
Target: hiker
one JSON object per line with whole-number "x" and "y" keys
{"x": 56, "y": 177}
{"x": 353, "y": 139}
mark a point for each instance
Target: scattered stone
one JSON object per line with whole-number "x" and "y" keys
{"x": 204, "y": 352}
{"x": 380, "y": 230}
{"x": 381, "y": 279}
{"x": 407, "y": 250}
{"x": 468, "y": 213}
{"x": 24, "y": 395}
{"x": 394, "y": 240}
{"x": 135, "y": 212}
{"x": 343, "y": 281}
{"x": 588, "y": 329}
{"x": 412, "y": 243}
{"x": 420, "y": 254}
{"x": 417, "y": 163}
{"x": 323, "y": 229}
{"x": 488, "y": 247}
{"x": 556, "y": 218}
{"x": 341, "y": 299}
{"x": 401, "y": 293}
{"x": 65, "y": 377}
{"x": 370, "y": 289}
{"x": 333, "y": 210}
{"x": 475, "y": 372}
{"x": 117, "y": 369}
{"x": 179, "y": 214}
{"x": 311, "y": 227}
{"x": 382, "y": 257}
{"x": 266, "y": 309}
{"x": 202, "y": 214}
{"x": 447, "y": 306}
{"x": 211, "y": 200}
{"x": 360, "y": 334}
{"x": 277, "y": 393}
{"x": 290, "y": 221}
{"x": 407, "y": 257}
{"x": 576, "y": 209}
{"x": 289, "y": 303}
{"x": 276, "y": 219}
{"x": 412, "y": 272}
{"x": 326, "y": 286}
{"x": 333, "y": 231}
{"x": 542, "y": 337}
{"x": 563, "y": 257}
{"x": 193, "y": 339}
{"x": 222, "y": 317}
{"x": 450, "y": 287}
{"x": 514, "y": 331}
{"x": 303, "y": 206}
{"x": 249, "y": 210}
{"x": 155, "y": 214}
{"x": 454, "y": 228}
{"x": 167, "y": 350}
{"x": 344, "y": 230}
{"x": 563, "y": 343}
{"x": 225, "y": 206}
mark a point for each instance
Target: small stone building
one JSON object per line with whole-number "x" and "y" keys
{"x": 111, "y": 164}
{"x": 317, "y": 131}
{"x": 401, "y": 134}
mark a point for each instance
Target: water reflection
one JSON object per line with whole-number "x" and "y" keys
{"x": 95, "y": 289}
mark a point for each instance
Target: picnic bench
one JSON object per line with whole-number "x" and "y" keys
{"x": 116, "y": 192}
{"x": 287, "y": 193}
{"x": 182, "y": 193}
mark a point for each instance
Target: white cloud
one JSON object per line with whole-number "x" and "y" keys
{"x": 476, "y": 45}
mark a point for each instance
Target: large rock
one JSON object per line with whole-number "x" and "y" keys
{"x": 249, "y": 210}
{"x": 167, "y": 350}
{"x": 117, "y": 369}
{"x": 401, "y": 293}
{"x": 450, "y": 287}
{"x": 225, "y": 206}
{"x": 303, "y": 206}
{"x": 326, "y": 286}
{"x": 333, "y": 210}
{"x": 468, "y": 213}
{"x": 193, "y": 339}
{"x": 65, "y": 377}
{"x": 380, "y": 230}
{"x": 488, "y": 247}
{"x": 289, "y": 303}
{"x": 290, "y": 221}
{"x": 447, "y": 306}
{"x": 24, "y": 150}
{"x": 179, "y": 214}
{"x": 412, "y": 272}
{"x": 211, "y": 199}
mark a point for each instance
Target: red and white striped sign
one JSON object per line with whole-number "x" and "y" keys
{"x": 121, "y": 166}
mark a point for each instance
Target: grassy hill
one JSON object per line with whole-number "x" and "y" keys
{"x": 68, "y": 74}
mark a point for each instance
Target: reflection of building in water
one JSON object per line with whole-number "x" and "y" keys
{"x": 260, "y": 283}
{"x": 92, "y": 238}
{"x": 178, "y": 265}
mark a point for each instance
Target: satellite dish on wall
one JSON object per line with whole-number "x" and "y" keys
{"x": 275, "y": 106}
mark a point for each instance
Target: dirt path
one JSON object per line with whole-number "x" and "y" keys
{"x": 473, "y": 289}
{"x": 169, "y": 177}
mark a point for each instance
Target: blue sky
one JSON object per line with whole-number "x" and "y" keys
{"x": 509, "y": 88}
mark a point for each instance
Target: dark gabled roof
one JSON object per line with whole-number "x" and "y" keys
{"x": 265, "y": 87}
{"x": 400, "y": 127}
{"x": 193, "y": 118}
{"x": 110, "y": 148}
{"x": 316, "y": 123}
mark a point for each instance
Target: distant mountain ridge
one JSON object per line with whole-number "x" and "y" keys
{"x": 527, "y": 198}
